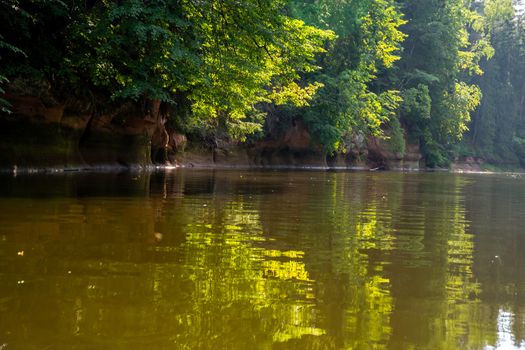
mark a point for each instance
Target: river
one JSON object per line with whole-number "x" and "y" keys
{"x": 224, "y": 259}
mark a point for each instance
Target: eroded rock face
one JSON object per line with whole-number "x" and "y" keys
{"x": 33, "y": 135}
{"x": 44, "y": 132}
{"x": 177, "y": 141}
{"x": 381, "y": 156}
{"x": 297, "y": 138}
{"x": 33, "y": 108}
{"x": 295, "y": 148}
{"x": 467, "y": 164}
{"x": 66, "y": 134}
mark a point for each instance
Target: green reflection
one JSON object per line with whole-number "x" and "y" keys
{"x": 263, "y": 260}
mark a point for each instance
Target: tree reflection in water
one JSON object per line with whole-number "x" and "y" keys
{"x": 264, "y": 260}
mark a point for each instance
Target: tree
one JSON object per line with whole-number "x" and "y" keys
{"x": 368, "y": 39}
{"x": 222, "y": 59}
{"x": 252, "y": 54}
{"x": 439, "y": 55}
{"x": 497, "y": 128}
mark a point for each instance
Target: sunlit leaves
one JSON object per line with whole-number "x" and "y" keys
{"x": 252, "y": 54}
{"x": 462, "y": 100}
{"x": 498, "y": 10}
{"x": 381, "y": 34}
{"x": 294, "y": 94}
{"x": 340, "y": 66}
{"x": 224, "y": 57}
{"x": 446, "y": 43}
{"x": 416, "y": 103}
{"x": 499, "y": 118}
{"x": 368, "y": 42}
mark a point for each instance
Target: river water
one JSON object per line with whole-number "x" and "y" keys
{"x": 213, "y": 259}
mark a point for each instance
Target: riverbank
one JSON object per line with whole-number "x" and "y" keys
{"x": 46, "y": 137}
{"x": 457, "y": 169}
{"x": 241, "y": 158}
{"x": 71, "y": 136}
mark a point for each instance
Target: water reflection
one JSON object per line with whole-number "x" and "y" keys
{"x": 506, "y": 338}
{"x": 264, "y": 260}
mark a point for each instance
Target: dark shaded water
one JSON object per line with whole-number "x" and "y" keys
{"x": 262, "y": 260}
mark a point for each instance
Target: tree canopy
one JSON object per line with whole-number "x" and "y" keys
{"x": 398, "y": 69}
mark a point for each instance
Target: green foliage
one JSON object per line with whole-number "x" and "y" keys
{"x": 416, "y": 107}
{"x": 446, "y": 41}
{"x": 368, "y": 39}
{"x": 34, "y": 38}
{"x": 225, "y": 68}
{"x": 497, "y": 127}
{"x": 224, "y": 59}
{"x": 135, "y": 49}
{"x": 396, "y": 139}
{"x": 519, "y": 148}
{"x": 7, "y": 48}
{"x": 495, "y": 11}
{"x": 435, "y": 153}
{"x": 4, "y": 104}
{"x": 252, "y": 54}
{"x": 459, "y": 103}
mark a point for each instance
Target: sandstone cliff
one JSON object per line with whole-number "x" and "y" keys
{"x": 42, "y": 132}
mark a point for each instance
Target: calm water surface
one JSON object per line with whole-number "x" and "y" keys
{"x": 262, "y": 260}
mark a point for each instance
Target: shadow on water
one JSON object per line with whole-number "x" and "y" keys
{"x": 82, "y": 184}
{"x": 137, "y": 184}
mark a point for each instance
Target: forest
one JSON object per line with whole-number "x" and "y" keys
{"x": 446, "y": 75}
{"x": 262, "y": 174}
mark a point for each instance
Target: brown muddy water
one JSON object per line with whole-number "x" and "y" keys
{"x": 262, "y": 260}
